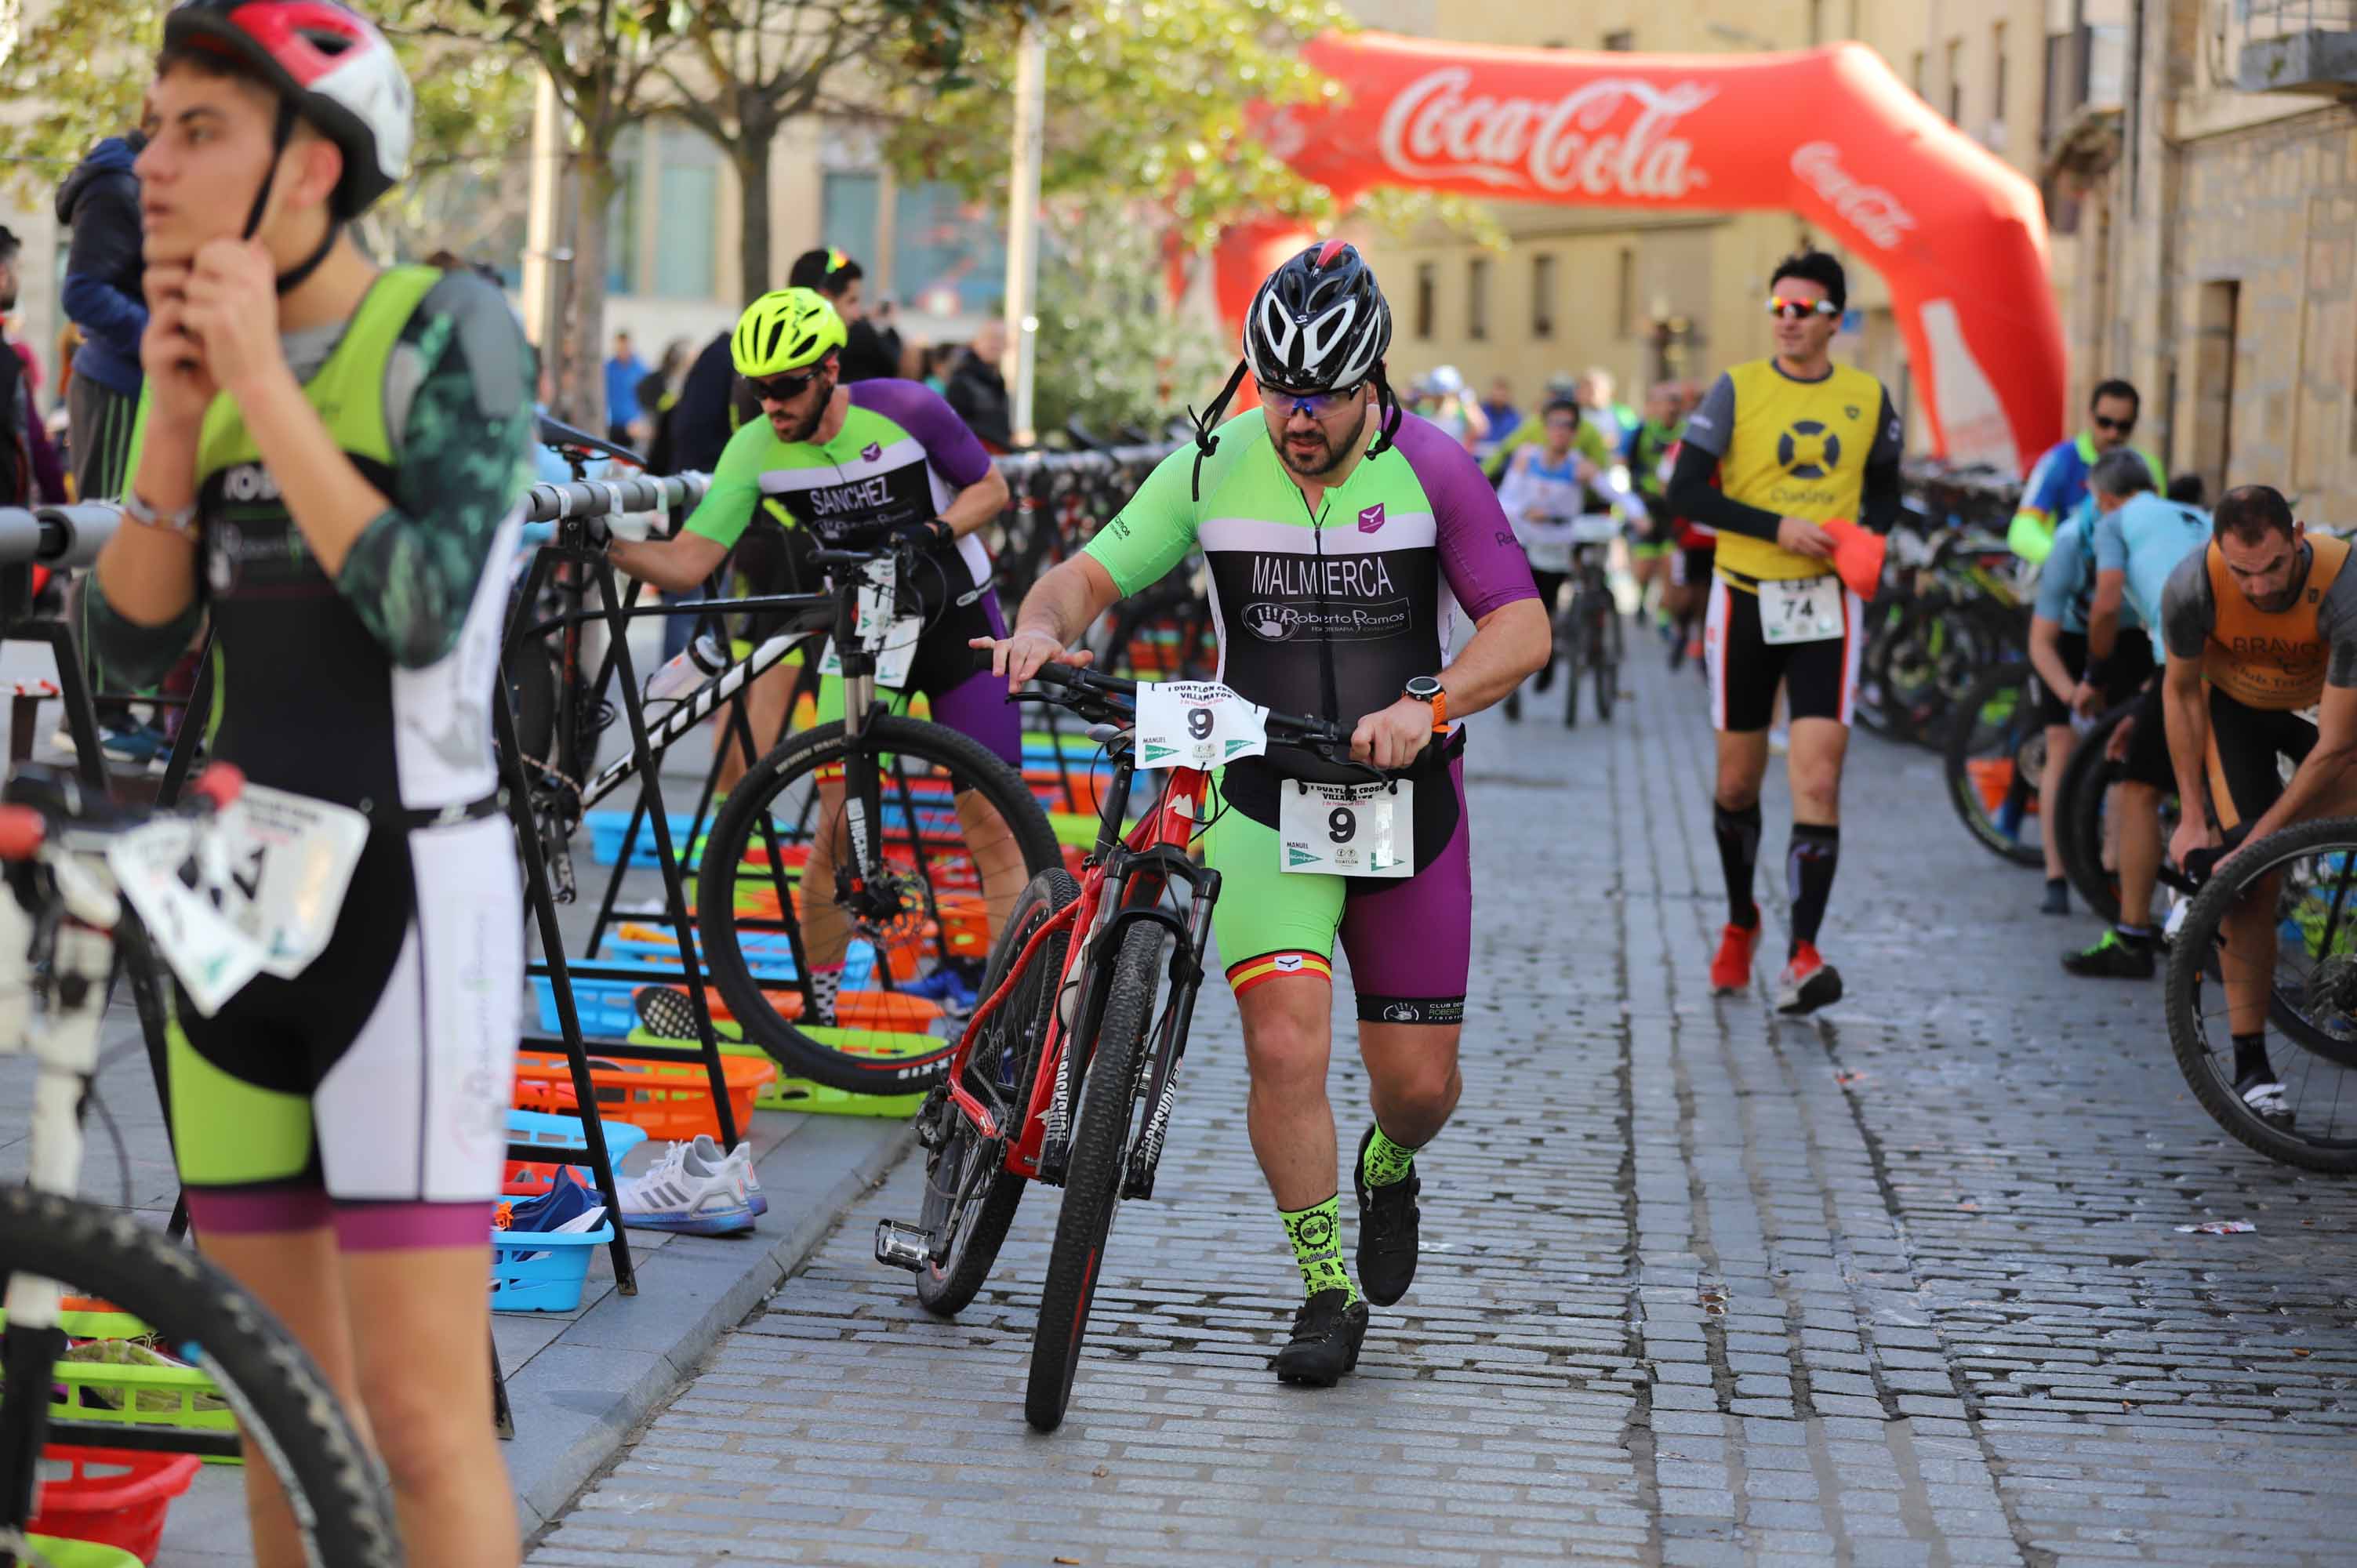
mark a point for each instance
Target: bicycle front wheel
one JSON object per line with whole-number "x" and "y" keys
{"x": 1996, "y": 760}
{"x": 337, "y": 1489}
{"x": 786, "y": 903}
{"x": 1110, "y": 1113}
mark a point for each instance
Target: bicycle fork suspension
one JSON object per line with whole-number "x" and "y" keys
{"x": 1170, "y": 1042}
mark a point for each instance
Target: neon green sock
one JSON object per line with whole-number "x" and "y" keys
{"x": 1316, "y": 1233}
{"x": 1386, "y": 1162}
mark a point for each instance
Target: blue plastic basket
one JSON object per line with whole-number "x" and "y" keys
{"x": 560, "y": 1132}
{"x": 542, "y": 1270}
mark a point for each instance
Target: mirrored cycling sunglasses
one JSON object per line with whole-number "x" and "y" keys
{"x": 780, "y": 389}
{"x": 1795, "y": 310}
{"x": 1316, "y": 405}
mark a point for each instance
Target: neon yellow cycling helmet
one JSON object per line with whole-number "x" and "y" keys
{"x": 785, "y": 330}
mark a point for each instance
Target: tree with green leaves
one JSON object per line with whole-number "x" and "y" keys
{"x": 1113, "y": 348}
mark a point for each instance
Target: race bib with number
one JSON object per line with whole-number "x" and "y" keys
{"x": 1800, "y": 609}
{"x": 1347, "y": 830}
{"x": 1196, "y": 723}
{"x": 888, "y": 637}
{"x": 272, "y": 872}
{"x": 1548, "y": 554}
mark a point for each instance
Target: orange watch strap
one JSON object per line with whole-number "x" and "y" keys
{"x": 1441, "y": 711}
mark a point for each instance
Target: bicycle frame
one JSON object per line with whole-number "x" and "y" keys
{"x": 1124, "y": 883}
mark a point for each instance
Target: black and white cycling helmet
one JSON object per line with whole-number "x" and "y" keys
{"x": 1319, "y": 322}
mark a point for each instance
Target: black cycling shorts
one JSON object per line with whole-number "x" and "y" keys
{"x": 1819, "y": 678}
{"x": 2129, "y": 668}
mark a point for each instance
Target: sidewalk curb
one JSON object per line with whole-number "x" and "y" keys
{"x": 577, "y": 1401}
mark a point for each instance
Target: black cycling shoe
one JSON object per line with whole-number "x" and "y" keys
{"x": 1387, "y": 1230}
{"x": 1327, "y": 1334}
{"x": 2112, "y": 957}
{"x": 2058, "y": 898}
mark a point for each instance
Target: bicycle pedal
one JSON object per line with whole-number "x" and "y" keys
{"x": 903, "y": 1246}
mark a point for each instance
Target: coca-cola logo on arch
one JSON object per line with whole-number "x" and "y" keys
{"x": 1613, "y": 136}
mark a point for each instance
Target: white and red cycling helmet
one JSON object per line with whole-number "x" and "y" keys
{"x": 330, "y": 67}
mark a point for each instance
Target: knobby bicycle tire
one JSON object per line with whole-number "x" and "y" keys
{"x": 978, "y": 1225}
{"x": 735, "y": 831}
{"x": 1575, "y": 661}
{"x": 2087, "y": 780}
{"x": 1964, "y": 792}
{"x": 2189, "y": 965}
{"x": 1608, "y": 668}
{"x": 1093, "y": 1175}
{"x": 337, "y": 1487}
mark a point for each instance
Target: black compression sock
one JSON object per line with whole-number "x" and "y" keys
{"x": 1809, "y": 866}
{"x": 1738, "y": 855}
{"x": 2251, "y": 1057}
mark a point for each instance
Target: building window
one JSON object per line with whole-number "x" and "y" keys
{"x": 1955, "y": 81}
{"x": 622, "y": 217}
{"x": 687, "y": 193}
{"x": 1542, "y": 297}
{"x": 1915, "y": 72}
{"x": 949, "y": 253}
{"x": 1426, "y": 284}
{"x": 1476, "y": 298}
{"x": 1817, "y": 22}
{"x": 1622, "y": 41}
{"x": 1996, "y": 72}
{"x": 1625, "y": 293}
{"x": 850, "y": 204}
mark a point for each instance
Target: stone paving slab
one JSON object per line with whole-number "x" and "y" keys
{"x": 1896, "y": 1285}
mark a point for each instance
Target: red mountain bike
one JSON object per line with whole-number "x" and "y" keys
{"x": 1067, "y": 1070}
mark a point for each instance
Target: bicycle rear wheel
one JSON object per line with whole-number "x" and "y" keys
{"x": 970, "y": 1195}
{"x": 1576, "y": 655}
{"x": 924, "y": 909}
{"x": 1605, "y": 644}
{"x": 342, "y": 1500}
{"x": 2312, "y": 997}
{"x": 1996, "y": 760}
{"x": 2082, "y": 811}
{"x": 1110, "y": 1113}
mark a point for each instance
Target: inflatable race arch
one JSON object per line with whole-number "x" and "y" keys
{"x": 1831, "y": 134}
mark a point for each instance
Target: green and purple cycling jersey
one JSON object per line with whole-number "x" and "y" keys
{"x": 1331, "y": 614}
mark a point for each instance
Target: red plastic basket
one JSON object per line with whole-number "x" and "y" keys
{"x": 114, "y": 1496}
{"x": 672, "y": 1099}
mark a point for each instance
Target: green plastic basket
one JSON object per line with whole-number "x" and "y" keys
{"x": 60, "y": 1554}
{"x": 132, "y": 1394}
{"x": 784, "y": 1094}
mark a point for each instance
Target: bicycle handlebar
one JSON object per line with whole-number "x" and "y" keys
{"x": 38, "y": 797}
{"x": 1283, "y": 729}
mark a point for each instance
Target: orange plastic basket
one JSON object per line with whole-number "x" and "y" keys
{"x": 673, "y": 1100}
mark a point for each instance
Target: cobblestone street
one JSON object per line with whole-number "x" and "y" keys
{"x": 1895, "y": 1286}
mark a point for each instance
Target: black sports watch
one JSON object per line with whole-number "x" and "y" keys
{"x": 1428, "y": 689}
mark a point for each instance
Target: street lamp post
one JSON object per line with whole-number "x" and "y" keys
{"x": 1023, "y": 226}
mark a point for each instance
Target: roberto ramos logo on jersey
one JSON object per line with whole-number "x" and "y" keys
{"x": 1275, "y": 622}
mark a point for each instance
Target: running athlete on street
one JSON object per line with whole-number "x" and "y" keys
{"x": 1653, "y": 538}
{"x": 328, "y": 459}
{"x": 2058, "y": 650}
{"x": 855, "y": 466}
{"x": 2140, "y": 538}
{"x": 1343, "y": 537}
{"x": 2259, "y": 625}
{"x": 1544, "y": 493}
{"x": 1795, "y": 441}
{"x": 2057, "y": 484}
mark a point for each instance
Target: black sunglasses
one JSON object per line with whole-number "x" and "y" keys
{"x": 780, "y": 389}
{"x": 2122, "y": 425}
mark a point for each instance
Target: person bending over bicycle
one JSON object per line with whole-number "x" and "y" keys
{"x": 1339, "y": 532}
{"x": 2258, "y": 626}
{"x": 857, "y": 467}
{"x": 2137, "y": 540}
{"x": 327, "y": 461}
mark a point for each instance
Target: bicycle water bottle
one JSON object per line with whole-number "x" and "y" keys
{"x": 691, "y": 668}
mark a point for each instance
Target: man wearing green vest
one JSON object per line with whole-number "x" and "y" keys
{"x": 328, "y": 465}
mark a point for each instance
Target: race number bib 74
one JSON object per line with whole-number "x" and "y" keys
{"x": 1196, "y": 723}
{"x": 1800, "y": 609}
{"x": 1347, "y": 830}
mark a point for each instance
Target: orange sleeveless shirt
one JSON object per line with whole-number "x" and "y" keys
{"x": 2271, "y": 659}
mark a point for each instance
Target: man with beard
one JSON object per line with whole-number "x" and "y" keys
{"x": 1342, "y": 535}
{"x": 855, "y": 468}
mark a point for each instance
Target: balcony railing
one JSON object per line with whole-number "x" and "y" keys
{"x": 2296, "y": 45}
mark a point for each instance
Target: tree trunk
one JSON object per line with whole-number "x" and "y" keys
{"x": 751, "y": 157}
{"x": 576, "y": 373}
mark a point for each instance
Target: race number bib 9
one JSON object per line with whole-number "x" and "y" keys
{"x": 1347, "y": 830}
{"x": 888, "y": 637}
{"x": 271, "y": 873}
{"x": 1800, "y": 609}
{"x": 1196, "y": 723}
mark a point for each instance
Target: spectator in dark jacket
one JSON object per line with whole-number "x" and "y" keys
{"x": 978, "y": 391}
{"x": 100, "y": 202}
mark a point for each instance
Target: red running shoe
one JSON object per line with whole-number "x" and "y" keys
{"x": 1731, "y": 970}
{"x": 1809, "y": 982}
